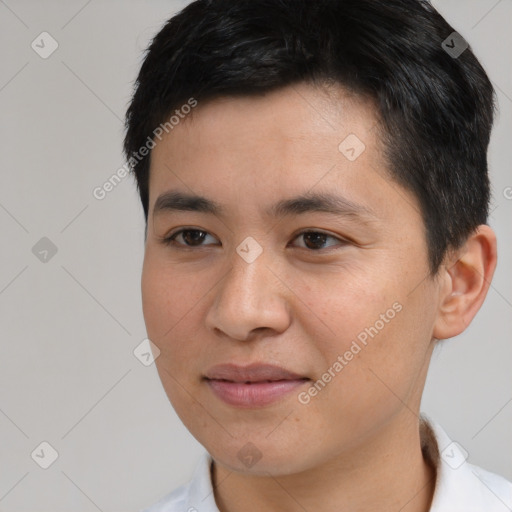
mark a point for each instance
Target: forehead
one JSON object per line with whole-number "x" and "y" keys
{"x": 260, "y": 149}
{"x": 300, "y": 111}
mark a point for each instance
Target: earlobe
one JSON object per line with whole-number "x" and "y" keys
{"x": 467, "y": 275}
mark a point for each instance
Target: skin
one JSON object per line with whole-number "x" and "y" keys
{"x": 301, "y": 303}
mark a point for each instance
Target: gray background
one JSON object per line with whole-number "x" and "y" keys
{"x": 69, "y": 326}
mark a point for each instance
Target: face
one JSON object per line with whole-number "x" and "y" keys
{"x": 321, "y": 321}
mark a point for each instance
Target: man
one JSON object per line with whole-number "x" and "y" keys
{"x": 314, "y": 180}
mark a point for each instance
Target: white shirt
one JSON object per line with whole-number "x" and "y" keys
{"x": 460, "y": 486}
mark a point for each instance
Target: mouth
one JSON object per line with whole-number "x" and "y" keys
{"x": 252, "y": 386}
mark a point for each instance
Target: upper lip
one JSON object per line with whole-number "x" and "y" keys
{"x": 255, "y": 372}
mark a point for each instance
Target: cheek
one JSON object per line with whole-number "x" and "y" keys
{"x": 156, "y": 300}
{"x": 375, "y": 345}
{"x": 167, "y": 305}
{"x": 173, "y": 308}
{"x": 167, "y": 298}
{"x": 346, "y": 308}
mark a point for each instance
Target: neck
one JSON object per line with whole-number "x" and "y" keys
{"x": 388, "y": 474}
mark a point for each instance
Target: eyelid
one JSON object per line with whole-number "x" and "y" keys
{"x": 343, "y": 241}
{"x": 169, "y": 238}
{"x": 320, "y": 231}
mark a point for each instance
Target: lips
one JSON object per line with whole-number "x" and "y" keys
{"x": 252, "y": 373}
{"x": 255, "y": 385}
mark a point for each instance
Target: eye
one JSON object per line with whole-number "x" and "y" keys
{"x": 194, "y": 237}
{"x": 190, "y": 238}
{"x": 314, "y": 239}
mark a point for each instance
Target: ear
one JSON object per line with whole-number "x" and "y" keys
{"x": 464, "y": 281}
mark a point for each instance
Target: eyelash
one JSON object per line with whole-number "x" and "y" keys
{"x": 170, "y": 240}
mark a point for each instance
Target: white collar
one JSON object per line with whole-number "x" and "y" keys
{"x": 464, "y": 487}
{"x": 460, "y": 486}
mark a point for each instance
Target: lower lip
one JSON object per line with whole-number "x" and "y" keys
{"x": 256, "y": 394}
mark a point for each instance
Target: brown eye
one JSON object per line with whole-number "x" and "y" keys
{"x": 315, "y": 240}
{"x": 189, "y": 238}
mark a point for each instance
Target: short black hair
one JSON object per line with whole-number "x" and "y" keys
{"x": 436, "y": 107}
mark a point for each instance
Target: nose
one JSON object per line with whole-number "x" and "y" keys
{"x": 252, "y": 297}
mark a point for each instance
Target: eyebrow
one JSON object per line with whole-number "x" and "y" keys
{"x": 324, "y": 202}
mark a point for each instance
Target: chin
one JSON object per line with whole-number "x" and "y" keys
{"x": 276, "y": 465}
{"x": 262, "y": 456}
